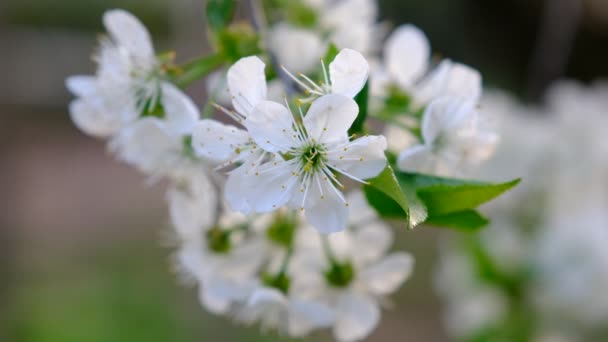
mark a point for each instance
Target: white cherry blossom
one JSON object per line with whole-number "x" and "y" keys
{"x": 308, "y": 157}
{"x": 452, "y": 139}
{"x": 129, "y": 80}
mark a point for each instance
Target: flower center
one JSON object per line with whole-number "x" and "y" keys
{"x": 313, "y": 157}
{"x": 340, "y": 274}
{"x": 218, "y": 240}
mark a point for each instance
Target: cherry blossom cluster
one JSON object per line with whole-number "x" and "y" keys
{"x": 265, "y": 199}
{"x": 539, "y": 272}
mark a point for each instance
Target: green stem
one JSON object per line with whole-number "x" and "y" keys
{"x": 197, "y": 69}
{"x": 327, "y": 249}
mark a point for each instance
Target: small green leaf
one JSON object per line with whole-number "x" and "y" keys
{"x": 237, "y": 41}
{"x": 358, "y": 127}
{"x": 197, "y": 69}
{"x": 466, "y": 220}
{"x": 385, "y": 195}
{"x": 330, "y": 54}
{"x": 220, "y": 13}
{"x": 450, "y": 197}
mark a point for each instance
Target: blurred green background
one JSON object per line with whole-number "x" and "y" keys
{"x": 82, "y": 252}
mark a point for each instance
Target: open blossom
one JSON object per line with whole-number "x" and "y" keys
{"x": 155, "y": 145}
{"x": 407, "y": 56}
{"x": 128, "y": 82}
{"x": 352, "y": 272}
{"x": 452, "y": 139}
{"x": 348, "y": 73}
{"x": 308, "y": 156}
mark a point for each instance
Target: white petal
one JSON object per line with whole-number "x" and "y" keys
{"x": 180, "y": 111}
{"x": 356, "y": 318}
{"x": 270, "y": 186}
{"x": 192, "y": 208}
{"x": 82, "y": 85}
{"x": 93, "y": 118}
{"x": 449, "y": 79}
{"x": 147, "y": 145}
{"x": 446, "y": 114}
{"x": 363, "y": 158}
{"x": 236, "y": 184}
{"x": 247, "y": 84}
{"x": 360, "y": 210}
{"x": 216, "y": 141}
{"x": 267, "y": 296}
{"x": 386, "y": 276}
{"x": 297, "y": 49}
{"x": 328, "y": 214}
{"x": 330, "y": 117}
{"x": 129, "y": 32}
{"x": 418, "y": 158}
{"x": 407, "y": 54}
{"x": 371, "y": 240}
{"x": 271, "y": 125}
{"x": 348, "y": 73}
{"x": 210, "y": 300}
{"x": 306, "y": 316}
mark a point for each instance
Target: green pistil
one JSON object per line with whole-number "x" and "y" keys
{"x": 282, "y": 230}
{"x": 218, "y": 240}
{"x": 279, "y": 281}
{"x": 340, "y": 274}
{"x": 313, "y": 157}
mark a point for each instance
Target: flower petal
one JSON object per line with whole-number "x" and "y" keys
{"x": 270, "y": 186}
{"x": 271, "y": 125}
{"x": 348, "y": 73}
{"x": 362, "y": 158}
{"x": 92, "y": 118}
{"x": 386, "y": 276}
{"x": 324, "y": 208}
{"x": 129, "y": 32}
{"x": 218, "y": 142}
{"x": 297, "y": 49}
{"x": 418, "y": 158}
{"x": 192, "y": 206}
{"x": 306, "y": 316}
{"x": 449, "y": 79}
{"x": 356, "y": 318}
{"x": 330, "y": 117}
{"x": 446, "y": 114}
{"x": 237, "y": 182}
{"x": 247, "y": 84}
{"x": 371, "y": 240}
{"x": 180, "y": 111}
{"x": 407, "y": 54}
{"x": 82, "y": 85}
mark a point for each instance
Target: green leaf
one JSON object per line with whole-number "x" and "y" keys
{"x": 330, "y": 54}
{"x": 385, "y": 195}
{"x": 197, "y": 69}
{"x": 358, "y": 127}
{"x": 451, "y": 197}
{"x": 466, "y": 220}
{"x": 237, "y": 41}
{"x": 220, "y": 13}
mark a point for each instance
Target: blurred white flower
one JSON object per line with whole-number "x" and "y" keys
{"x": 452, "y": 139}
{"x": 307, "y": 156}
{"x": 155, "y": 145}
{"x": 357, "y": 275}
{"x": 297, "y": 49}
{"x": 223, "y": 260}
{"x": 128, "y": 83}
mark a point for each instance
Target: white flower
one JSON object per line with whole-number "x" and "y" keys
{"x": 406, "y": 64}
{"x": 223, "y": 261}
{"x": 348, "y": 73}
{"x": 314, "y": 152}
{"x": 156, "y": 145}
{"x": 128, "y": 83}
{"x": 452, "y": 139}
{"x": 357, "y": 276}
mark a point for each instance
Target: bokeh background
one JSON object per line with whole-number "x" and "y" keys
{"x": 82, "y": 238}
